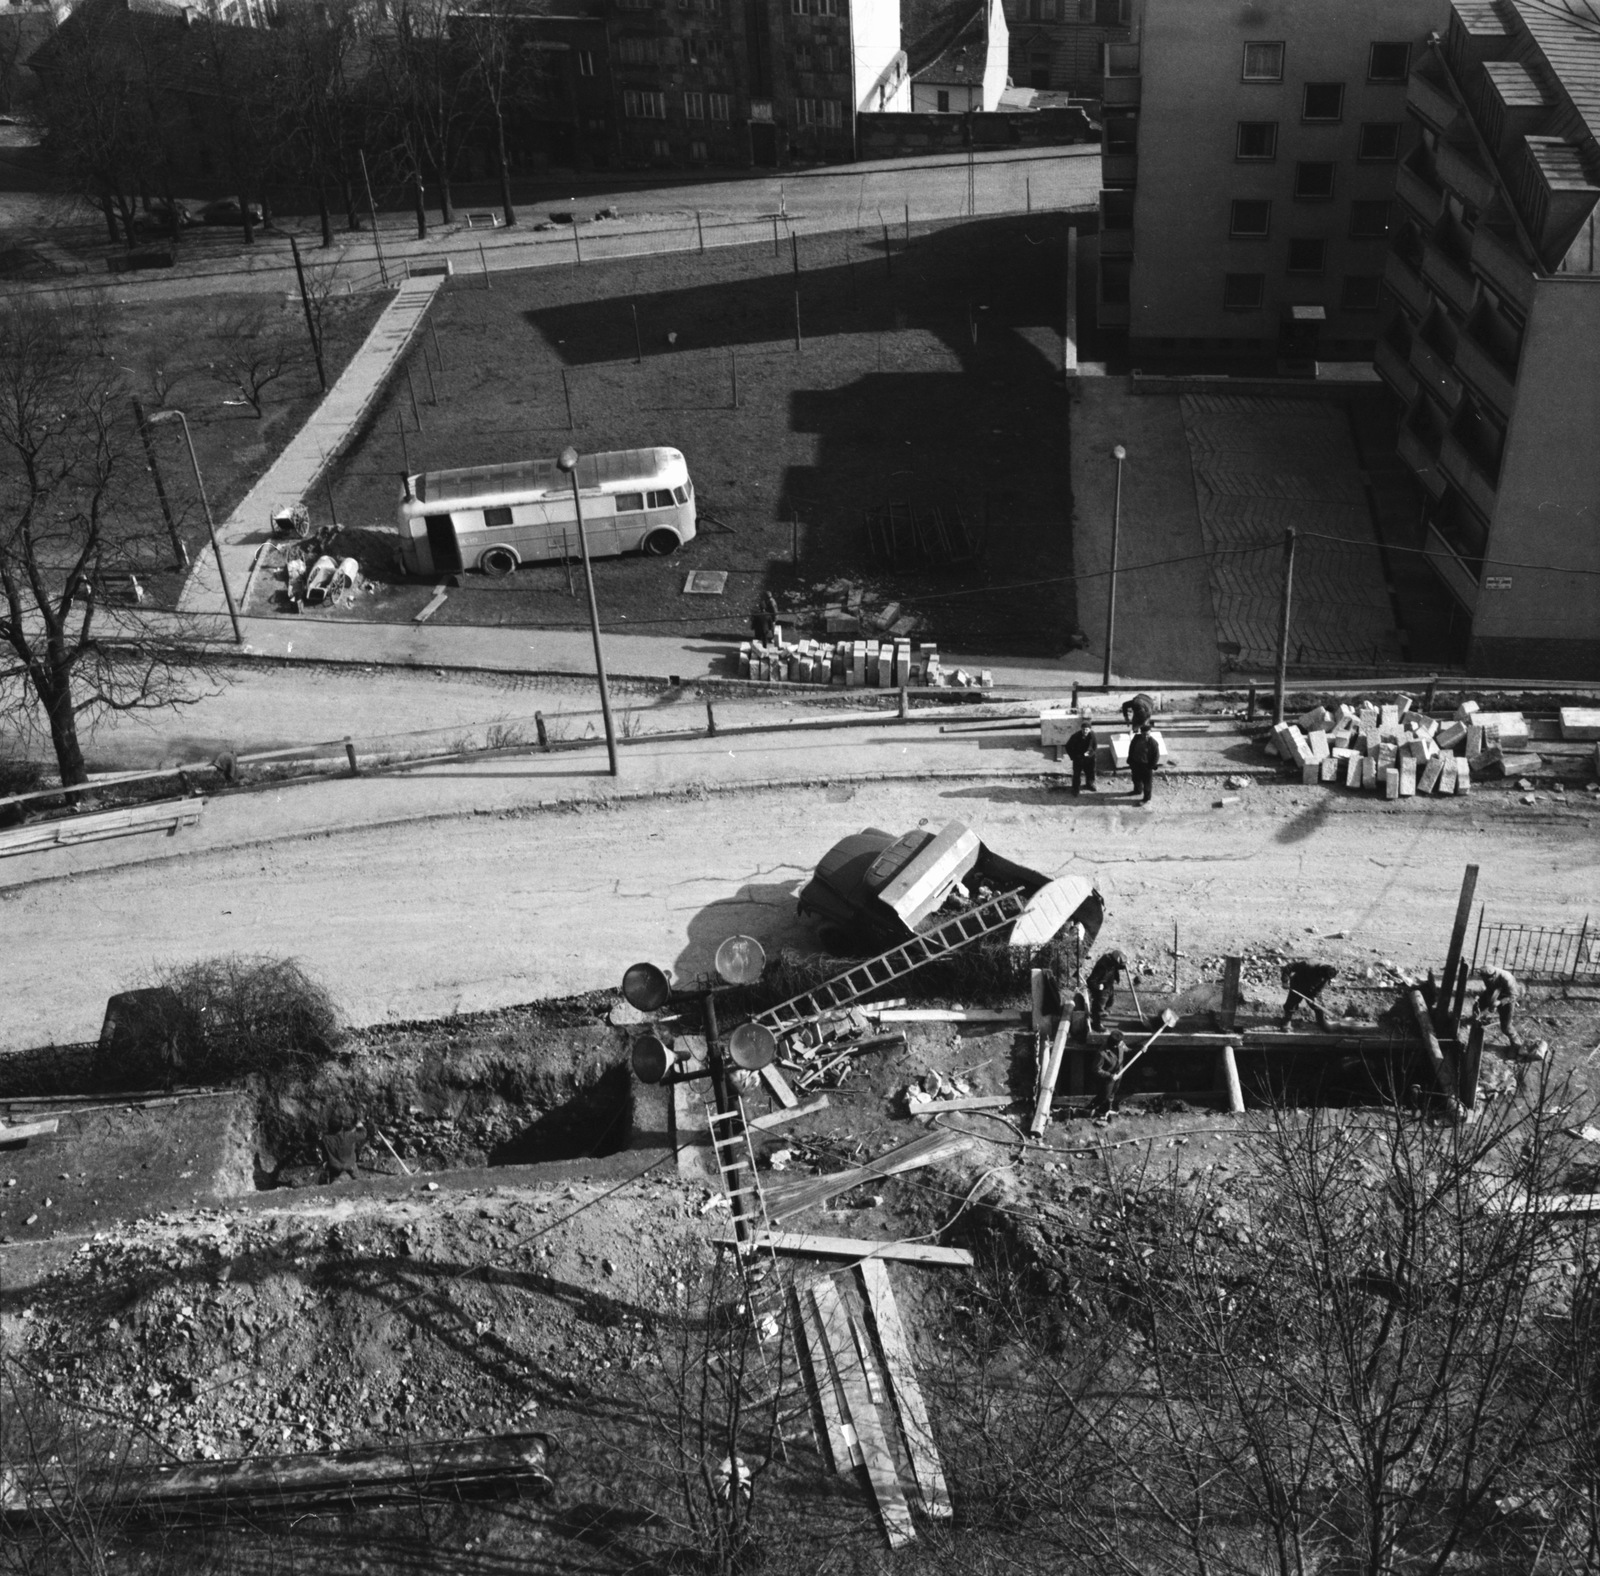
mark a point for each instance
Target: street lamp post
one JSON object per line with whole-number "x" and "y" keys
{"x": 211, "y": 525}
{"x": 1119, "y": 454}
{"x": 569, "y": 463}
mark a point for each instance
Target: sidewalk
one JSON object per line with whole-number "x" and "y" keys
{"x": 295, "y": 471}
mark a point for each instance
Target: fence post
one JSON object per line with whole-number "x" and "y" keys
{"x": 544, "y": 733}
{"x": 350, "y": 755}
{"x": 699, "y": 229}
{"x": 1577, "y": 951}
{"x": 485, "y": 262}
{"x": 711, "y": 722}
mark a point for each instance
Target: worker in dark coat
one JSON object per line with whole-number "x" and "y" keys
{"x": 1107, "y": 1074}
{"x": 764, "y": 621}
{"x": 1108, "y": 970}
{"x": 1081, "y": 748}
{"x": 1138, "y": 711}
{"x": 1500, "y": 995}
{"x": 1144, "y": 755}
{"x": 1305, "y": 982}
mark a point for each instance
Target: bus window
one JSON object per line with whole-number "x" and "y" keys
{"x": 661, "y": 500}
{"x": 681, "y": 494}
{"x": 628, "y": 502}
{"x": 494, "y": 517}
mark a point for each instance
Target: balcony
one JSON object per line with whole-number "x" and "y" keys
{"x": 1417, "y": 453}
{"x": 1119, "y": 168}
{"x": 1485, "y": 374}
{"x": 1473, "y": 485}
{"x": 1116, "y": 224}
{"x": 1462, "y": 584}
{"x": 1406, "y": 287}
{"x": 1425, "y": 202}
{"x": 1120, "y": 92}
{"x": 1464, "y": 175}
{"x": 1393, "y": 368}
{"x": 1448, "y": 277}
{"x": 1436, "y": 374}
{"x": 1431, "y": 103}
{"x": 1499, "y": 263}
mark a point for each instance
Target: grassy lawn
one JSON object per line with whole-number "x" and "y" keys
{"x": 931, "y": 381}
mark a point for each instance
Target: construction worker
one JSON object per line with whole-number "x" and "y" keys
{"x": 1138, "y": 711}
{"x": 765, "y": 618}
{"x": 1108, "y": 970}
{"x": 1305, "y": 982}
{"x": 1107, "y": 1074}
{"x": 1081, "y": 749}
{"x": 1499, "y": 995}
{"x": 1144, "y": 755}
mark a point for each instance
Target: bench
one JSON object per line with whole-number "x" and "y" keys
{"x": 474, "y": 220}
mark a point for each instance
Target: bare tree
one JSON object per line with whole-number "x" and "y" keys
{"x": 72, "y": 525}
{"x": 257, "y": 352}
{"x": 490, "y": 33}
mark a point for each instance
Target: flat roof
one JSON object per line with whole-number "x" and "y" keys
{"x": 609, "y": 468}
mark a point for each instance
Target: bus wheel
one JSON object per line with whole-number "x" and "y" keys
{"x": 498, "y": 561}
{"x": 660, "y": 542}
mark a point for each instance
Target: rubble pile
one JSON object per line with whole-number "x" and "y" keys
{"x": 1400, "y": 752}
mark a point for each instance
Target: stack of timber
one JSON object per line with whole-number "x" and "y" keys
{"x": 1400, "y": 752}
{"x": 868, "y": 663}
{"x": 875, "y": 1419}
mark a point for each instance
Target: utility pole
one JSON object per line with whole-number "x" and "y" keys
{"x": 372, "y": 208}
{"x": 569, "y": 463}
{"x": 305, "y": 301}
{"x": 1283, "y": 625}
{"x": 1119, "y": 454}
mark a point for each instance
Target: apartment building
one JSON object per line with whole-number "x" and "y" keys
{"x": 1061, "y": 44}
{"x": 1492, "y": 334}
{"x": 1248, "y": 163}
{"x": 762, "y": 82}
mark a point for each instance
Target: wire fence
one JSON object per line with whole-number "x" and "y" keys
{"x": 1540, "y": 953}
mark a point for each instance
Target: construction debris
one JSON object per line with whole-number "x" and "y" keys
{"x": 804, "y": 1245}
{"x": 793, "y": 1198}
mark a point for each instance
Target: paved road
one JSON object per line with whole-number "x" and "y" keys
{"x": 483, "y": 909}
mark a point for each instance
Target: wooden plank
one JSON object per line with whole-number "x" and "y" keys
{"x": 1458, "y": 931}
{"x": 23, "y": 1131}
{"x": 929, "y": 1150}
{"x": 760, "y": 1124}
{"x": 879, "y": 1459}
{"x": 943, "y": 1015}
{"x": 779, "y": 1085}
{"x": 1049, "y": 1074}
{"x": 839, "y": 1448}
{"x": 869, "y": 1363}
{"x": 807, "y": 1245}
{"x": 1230, "y": 993}
{"x": 915, "y": 1427}
{"x": 691, "y": 1133}
{"x": 966, "y": 1102}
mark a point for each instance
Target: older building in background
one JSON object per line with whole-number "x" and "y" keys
{"x": 1249, "y": 160}
{"x": 1492, "y": 338}
{"x": 969, "y": 70}
{"x": 1061, "y": 44}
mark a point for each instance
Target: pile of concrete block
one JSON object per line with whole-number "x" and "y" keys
{"x": 854, "y": 664}
{"x": 1399, "y": 752}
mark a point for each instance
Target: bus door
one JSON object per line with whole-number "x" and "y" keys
{"x": 443, "y": 547}
{"x": 600, "y": 526}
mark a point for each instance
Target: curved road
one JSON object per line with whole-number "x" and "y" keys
{"x": 479, "y": 910}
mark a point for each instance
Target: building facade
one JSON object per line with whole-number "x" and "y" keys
{"x": 1491, "y": 338}
{"x": 970, "y": 73}
{"x": 1061, "y": 44}
{"x": 1248, "y": 164}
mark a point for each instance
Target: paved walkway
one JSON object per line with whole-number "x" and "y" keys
{"x": 295, "y": 471}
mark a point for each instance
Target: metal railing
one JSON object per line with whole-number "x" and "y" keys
{"x": 1540, "y": 953}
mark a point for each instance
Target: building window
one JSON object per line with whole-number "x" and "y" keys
{"x": 1369, "y": 221}
{"x": 660, "y": 148}
{"x": 1258, "y": 139}
{"x": 1307, "y": 255}
{"x": 1250, "y": 218}
{"x": 714, "y": 49}
{"x": 1263, "y": 63}
{"x": 1388, "y": 62}
{"x": 1243, "y": 292}
{"x": 699, "y": 152}
{"x": 644, "y": 106}
{"x": 828, "y": 7}
{"x": 822, "y": 112}
{"x": 1379, "y": 142}
{"x": 1041, "y": 10}
{"x": 694, "y": 106}
{"x": 1322, "y": 101}
{"x": 720, "y": 106}
{"x": 944, "y": 101}
{"x": 636, "y": 51}
{"x": 1313, "y": 181}
{"x": 1360, "y": 293}
{"x": 585, "y": 59}
{"x": 802, "y": 57}
{"x": 1111, "y": 13}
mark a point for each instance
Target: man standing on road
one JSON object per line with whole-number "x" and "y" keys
{"x": 1138, "y": 711}
{"x": 1144, "y": 755}
{"x": 765, "y": 618}
{"x": 1108, "y": 969}
{"x": 1107, "y": 1074}
{"x": 1305, "y": 982}
{"x": 1500, "y": 995}
{"x": 1081, "y": 748}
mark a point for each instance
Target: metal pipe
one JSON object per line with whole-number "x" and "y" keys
{"x": 1283, "y": 626}
{"x": 1119, "y": 454}
{"x": 569, "y": 463}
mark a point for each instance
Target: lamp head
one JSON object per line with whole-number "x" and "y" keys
{"x": 1119, "y": 453}
{"x": 567, "y": 460}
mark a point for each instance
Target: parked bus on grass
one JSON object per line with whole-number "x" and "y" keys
{"x": 494, "y": 517}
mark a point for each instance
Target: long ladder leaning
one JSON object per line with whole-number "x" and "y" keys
{"x": 944, "y": 938}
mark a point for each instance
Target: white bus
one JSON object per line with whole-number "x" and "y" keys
{"x": 494, "y": 517}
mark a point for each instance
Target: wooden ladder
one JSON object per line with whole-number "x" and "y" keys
{"x": 949, "y": 936}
